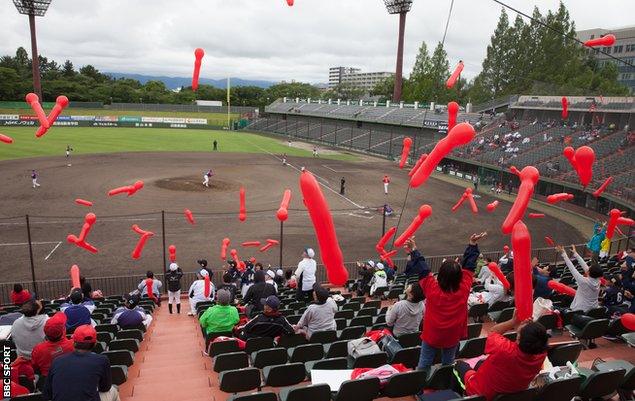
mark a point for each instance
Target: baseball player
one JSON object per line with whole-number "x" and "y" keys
{"x": 68, "y": 155}
{"x": 284, "y": 159}
{"x": 206, "y": 177}
{"x": 386, "y": 181}
{"x": 34, "y": 176}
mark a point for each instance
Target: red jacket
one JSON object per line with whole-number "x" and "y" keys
{"x": 18, "y": 298}
{"x": 386, "y": 180}
{"x": 44, "y": 353}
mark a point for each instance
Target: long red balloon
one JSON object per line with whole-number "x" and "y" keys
{"x": 242, "y": 212}
{"x": 34, "y": 101}
{"x": 250, "y": 243}
{"x": 189, "y": 216}
{"x": 453, "y": 112}
{"x": 129, "y": 189}
{"x": 320, "y": 214}
{"x": 584, "y": 159}
{"x": 149, "y": 288}
{"x": 417, "y": 164}
{"x": 207, "y": 287}
{"x": 603, "y": 187}
{"x": 198, "y": 55}
{"x": 458, "y": 204}
{"x": 6, "y": 139}
{"x": 550, "y": 241}
{"x": 561, "y": 288}
{"x": 283, "y": 213}
{"x": 606, "y": 40}
{"x": 455, "y": 75}
{"x": 83, "y": 202}
{"x": 492, "y": 206}
{"x": 470, "y": 198}
{"x": 223, "y": 248}
{"x": 89, "y": 220}
{"x": 405, "y": 151}
{"x": 536, "y": 215}
{"x": 528, "y": 179}
{"x": 628, "y": 321}
{"x": 461, "y": 134}
{"x": 381, "y": 244}
{"x": 493, "y": 267}
{"x": 523, "y": 291}
{"x": 60, "y": 104}
{"x": 560, "y": 197}
{"x": 424, "y": 212}
{"x": 615, "y": 219}
{"x": 75, "y": 277}
{"x": 145, "y": 235}
{"x": 172, "y": 252}
{"x": 565, "y": 108}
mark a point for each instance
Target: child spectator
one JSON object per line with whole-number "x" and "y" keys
{"x": 595, "y": 242}
{"x": 19, "y": 295}
{"x": 156, "y": 288}
{"x": 173, "y": 279}
{"x": 405, "y": 316}
{"x": 270, "y": 323}
{"x": 614, "y": 296}
{"x": 229, "y": 286}
{"x": 56, "y": 344}
{"x": 197, "y": 291}
{"x": 319, "y": 316}
{"x": 221, "y": 317}
{"x": 131, "y": 316}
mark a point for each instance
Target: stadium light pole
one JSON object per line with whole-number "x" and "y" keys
{"x": 400, "y": 7}
{"x": 34, "y": 8}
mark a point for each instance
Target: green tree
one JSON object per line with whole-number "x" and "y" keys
{"x": 384, "y": 89}
{"x": 68, "y": 70}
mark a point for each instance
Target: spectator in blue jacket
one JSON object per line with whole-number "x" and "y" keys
{"x": 595, "y": 243}
{"x": 77, "y": 314}
{"x": 131, "y": 315}
{"x": 416, "y": 265}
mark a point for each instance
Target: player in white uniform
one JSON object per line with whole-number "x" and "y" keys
{"x": 206, "y": 177}
{"x": 34, "y": 176}
{"x": 68, "y": 155}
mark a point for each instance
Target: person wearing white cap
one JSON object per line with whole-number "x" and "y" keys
{"x": 269, "y": 279}
{"x": 380, "y": 279}
{"x": 173, "y": 279}
{"x": 306, "y": 275}
{"x": 197, "y": 291}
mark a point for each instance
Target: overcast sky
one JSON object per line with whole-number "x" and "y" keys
{"x": 266, "y": 39}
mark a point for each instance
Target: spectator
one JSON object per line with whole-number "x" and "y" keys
{"x": 131, "y": 315}
{"x": 290, "y": 280}
{"x": 173, "y": 279}
{"x": 156, "y": 287}
{"x": 257, "y": 293}
{"x": 390, "y": 272}
{"x": 19, "y": 295}
{"x": 55, "y": 344}
{"x": 405, "y": 316}
{"x": 614, "y": 296}
{"x": 365, "y": 273}
{"x": 270, "y": 279}
{"x": 416, "y": 263}
{"x": 279, "y": 279}
{"x": 234, "y": 273}
{"x": 77, "y": 314}
{"x": 379, "y": 280}
{"x": 445, "y": 319}
{"x": 203, "y": 265}
{"x": 229, "y": 286}
{"x": 605, "y": 246}
{"x": 306, "y": 274}
{"x": 81, "y": 374}
{"x": 495, "y": 290}
{"x": 270, "y": 323}
{"x": 221, "y": 317}
{"x": 319, "y": 316}
{"x": 28, "y": 331}
{"x": 506, "y": 262}
{"x": 247, "y": 279}
{"x": 197, "y": 291}
{"x": 541, "y": 277}
{"x": 482, "y": 267}
{"x": 510, "y": 366}
{"x": 87, "y": 289}
{"x": 595, "y": 243}
{"x": 586, "y": 296}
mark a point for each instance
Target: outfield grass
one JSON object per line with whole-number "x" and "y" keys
{"x": 109, "y": 140}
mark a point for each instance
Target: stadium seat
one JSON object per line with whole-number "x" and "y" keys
{"x": 367, "y": 312}
{"x": 326, "y": 364}
{"x": 111, "y": 328}
{"x": 105, "y": 337}
{"x": 340, "y": 324}
{"x": 502, "y": 316}
{"x": 404, "y": 384}
{"x": 525, "y": 395}
{"x": 223, "y": 347}
{"x": 269, "y": 357}
{"x": 592, "y": 330}
{"x": 629, "y": 338}
{"x": 471, "y": 348}
{"x": 231, "y": 361}
{"x": 474, "y": 330}
{"x": 601, "y": 384}
{"x": 352, "y": 332}
{"x": 345, "y": 314}
{"x": 291, "y": 340}
{"x": 358, "y": 390}
{"x": 129, "y": 344}
{"x": 559, "y": 355}
{"x": 236, "y": 381}
{"x": 323, "y": 337}
{"x": 477, "y": 312}
{"x": 99, "y": 347}
{"x": 120, "y": 357}
{"x": 368, "y": 361}
{"x": 336, "y": 349}
{"x": 410, "y": 340}
{"x": 365, "y": 321}
{"x": 352, "y": 306}
{"x": 409, "y": 357}
{"x": 550, "y": 321}
{"x": 133, "y": 333}
{"x": 260, "y": 396}
{"x": 305, "y": 353}
{"x": 119, "y": 374}
{"x": 559, "y": 390}
{"x": 372, "y": 304}
{"x": 511, "y": 336}
{"x": 440, "y": 377}
{"x": 294, "y": 319}
{"x": 284, "y": 375}
{"x": 315, "y": 392}
{"x": 598, "y": 313}
{"x": 256, "y": 344}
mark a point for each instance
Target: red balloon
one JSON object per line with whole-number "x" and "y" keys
{"x": 207, "y": 288}
{"x": 605, "y": 184}
{"x": 470, "y": 198}
{"x": 461, "y": 134}
{"x": 189, "y": 216}
{"x": 290, "y": 3}
{"x": 250, "y": 243}
{"x": 606, "y": 40}
{"x": 283, "y": 213}
{"x": 75, "y": 277}
{"x": 536, "y": 215}
{"x": 458, "y": 204}
{"x": 129, "y": 189}
{"x": 453, "y": 111}
{"x": 60, "y": 104}
{"x": 198, "y": 55}
{"x": 523, "y": 291}
{"x": 528, "y": 179}
{"x": 270, "y": 244}
{"x": 389, "y": 254}
{"x": 145, "y": 235}
{"x": 584, "y": 159}
{"x": 405, "y": 151}
{"x": 493, "y": 267}
{"x": 34, "y": 101}
{"x": 242, "y": 212}
{"x": 615, "y": 219}
{"x": 239, "y": 263}
{"x": 223, "y": 248}
{"x": 424, "y": 212}
{"x": 72, "y": 239}
{"x": 417, "y": 164}
{"x": 561, "y": 197}
{"x": 561, "y": 288}
{"x": 455, "y": 75}
{"x": 6, "y": 139}
{"x": 149, "y": 288}
{"x": 628, "y": 321}
{"x": 565, "y": 108}
{"x": 550, "y": 241}
{"x": 381, "y": 244}
{"x": 89, "y": 220}
{"x": 320, "y": 214}
{"x": 83, "y": 202}
{"x": 172, "y": 252}
{"x": 492, "y": 206}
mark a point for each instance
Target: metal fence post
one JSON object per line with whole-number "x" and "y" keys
{"x": 163, "y": 237}
{"x": 383, "y": 221}
{"x": 28, "y": 233}
{"x": 281, "y": 241}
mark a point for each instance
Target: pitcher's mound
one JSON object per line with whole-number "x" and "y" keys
{"x": 192, "y": 184}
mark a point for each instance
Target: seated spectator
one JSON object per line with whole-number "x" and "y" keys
{"x": 81, "y": 374}
{"x": 510, "y": 366}
{"x": 586, "y": 296}
{"x": 506, "y": 262}
{"x": 131, "y": 315}
{"x": 405, "y": 316}
{"x": 221, "y": 317}
{"x": 197, "y": 291}
{"x": 247, "y": 279}
{"x": 390, "y": 273}
{"x": 290, "y": 279}
{"x": 270, "y": 323}
{"x": 76, "y": 313}
{"x": 270, "y": 279}
{"x": 156, "y": 288}
{"x": 541, "y": 277}
{"x": 319, "y": 316}
{"x": 416, "y": 264}
{"x": 279, "y": 279}
{"x": 19, "y": 295}
{"x": 380, "y": 279}
{"x": 483, "y": 272}
{"x": 614, "y": 296}
{"x": 28, "y": 331}
{"x": 21, "y": 367}
{"x": 56, "y": 344}
{"x": 87, "y": 289}
{"x": 229, "y": 286}
{"x": 258, "y": 292}
{"x": 494, "y": 292}
{"x": 365, "y": 273}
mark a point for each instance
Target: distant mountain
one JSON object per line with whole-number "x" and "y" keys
{"x": 177, "y": 82}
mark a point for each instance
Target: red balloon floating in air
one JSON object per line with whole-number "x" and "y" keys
{"x": 550, "y": 241}
{"x": 129, "y": 189}
{"x": 250, "y": 243}
{"x": 615, "y": 219}
{"x": 242, "y": 212}
{"x": 189, "y": 216}
{"x": 145, "y": 235}
{"x": 283, "y": 212}
{"x": 493, "y": 267}
{"x": 417, "y": 164}
{"x": 424, "y": 212}
{"x": 455, "y": 75}
{"x": 536, "y": 215}
{"x": 603, "y": 187}
{"x": 198, "y": 55}
{"x": 466, "y": 195}
{"x": 290, "y": 3}
{"x": 80, "y": 241}
{"x": 60, "y": 104}
{"x": 453, "y": 111}
{"x": 523, "y": 291}
{"x": 492, "y": 206}
{"x": 270, "y": 243}
{"x": 528, "y": 179}
{"x": 565, "y": 108}
{"x": 606, "y": 40}
{"x": 75, "y": 283}
{"x": 83, "y": 202}
{"x": 381, "y": 244}
{"x": 6, "y": 139}
{"x": 561, "y": 197}
{"x": 405, "y": 151}
{"x": 223, "y": 248}
{"x": 172, "y": 252}
{"x": 34, "y": 101}
{"x": 581, "y": 160}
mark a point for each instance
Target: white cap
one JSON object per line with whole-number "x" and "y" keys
{"x": 371, "y": 263}
{"x": 279, "y": 272}
{"x": 310, "y": 252}
{"x": 271, "y": 274}
{"x": 203, "y": 273}
{"x": 380, "y": 266}
{"x": 173, "y": 267}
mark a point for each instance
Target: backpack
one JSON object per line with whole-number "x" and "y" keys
{"x": 362, "y": 346}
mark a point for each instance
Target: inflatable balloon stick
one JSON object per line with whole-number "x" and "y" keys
{"x": 417, "y": 164}
{"x": 523, "y": 291}
{"x": 34, "y": 102}
{"x": 493, "y": 267}
{"x": 561, "y": 197}
{"x": 470, "y": 198}
{"x": 615, "y": 219}
{"x": 453, "y": 111}
{"x": 250, "y": 243}
{"x": 405, "y": 151}
{"x": 603, "y": 187}
{"x": 270, "y": 244}
{"x": 223, "y": 248}
{"x": 322, "y": 220}
{"x": 536, "y": 215}
{"x": 460, "y": 201}
{"x": 83, "y": 202}
{"x": 75, "y": 277}
{"x": 492, "y": 206}
{"x": 581, "y": 160}
{"x": 80, "y": 241}
{"x": 207, "y": 287}
{"x": 381, "y": 244}
{"x": 561, "y": 288}
{"x": 242, "y": 212}
{"x": 528, "y": 179}
{"x": 424, "y": 212}
{"x": 387, "y": 257}
{"x": 198, "y": 54}
{"x": 389, "y": 254}
{"x": 149, "y": 288}
{"x": 455, "y": 75}
{"x": 60, "y": 104}
{"x": 606, "y": 40}
{"x": 550, "y": 241}
{"x": 628, "y": 321}
{"x": 239, "y": 263}
{"x": 145, "y": 235}
{"x": 129, "y": 189}
{"x": 565, "y": 108}
{"x": 6, "y": 139}
{"x": 172, "y": 252}
{"x": 283, "y": 212}
{"x": 189, "y": 216}
{"x": 290, "y": 3}
{"x": 461, "y": 134}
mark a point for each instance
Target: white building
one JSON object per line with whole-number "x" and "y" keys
{"x": 366, "y": 80}
{"x": 336, "y": 74}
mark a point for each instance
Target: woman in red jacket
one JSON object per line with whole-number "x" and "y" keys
{"x": 445, "y": 319}
{"x": 19, "y": 295}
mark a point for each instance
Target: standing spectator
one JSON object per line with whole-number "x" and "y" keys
{"x": 380, "y": 279}
{"x": 342, "y": 186}
{"x": 605, "y": 246}
{"x": 586, "y": 296}
{"x": 82, "y": 374}
{"x": 279, "y": 279}
{"x": 445, "y": 319}
{"x": 319, "y": 316}
{"x": 416, "y": 263}
{"x": 270, "y": 323}
{"x": 365, "y": 273}
{"x": 156, "y": 288}
{"x": 19, "y": 295}
{"x": 229, "y": 286}
{"x": 390, "y": 272}
{"x": 595, "y": 243}
{"x": 197, "y": 291}
{"x": 270, "y": 279}
{"x": 405, "y": 316}
{"x": 386, "y": 181}
{"x": 247, "y": 279}
{"x": 222, "y": 317}
{"x": 76, "y": 313}
{"x": 28, "y": 331}
{"x": 173, "y": 279}
{"x": 131, "y": 315}
{"x": 56, "y": 344}
{"x": 257, "y": 293}
{"x": 306, "y": 274}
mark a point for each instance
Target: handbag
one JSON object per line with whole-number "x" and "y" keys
{"x": 390, "y": 345}
{"x": 362, "y": 346}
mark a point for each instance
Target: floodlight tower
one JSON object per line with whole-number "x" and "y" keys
{"x": 34, "y": 8}
{"x": 400, "y": 7}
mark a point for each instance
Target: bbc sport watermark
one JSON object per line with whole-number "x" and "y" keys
{"x": 6, "y": 372}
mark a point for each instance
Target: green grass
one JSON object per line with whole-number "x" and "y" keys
{"x": 109, "y": 140}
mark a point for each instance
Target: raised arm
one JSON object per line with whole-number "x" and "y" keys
{"x": 574, "y": 272}
{"x": 471, "y": 253}
{"x": 579, "y": 258}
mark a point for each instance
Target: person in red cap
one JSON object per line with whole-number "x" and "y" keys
{"x": 81, "y": 374}
{"x": 55, "y": 344}
{"x": 386, "y": 181}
